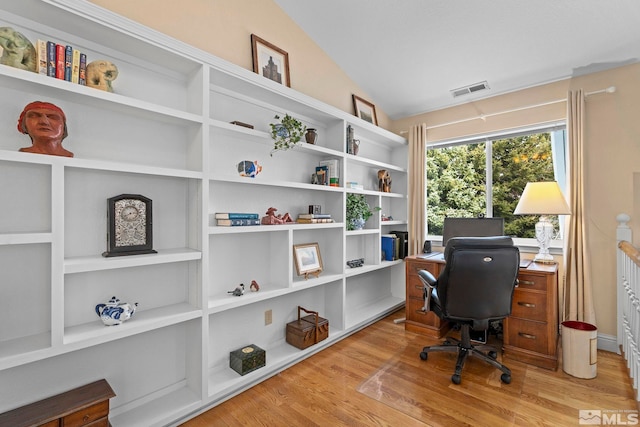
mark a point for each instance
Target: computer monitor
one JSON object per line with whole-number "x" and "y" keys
{"x": 471, "y": 227}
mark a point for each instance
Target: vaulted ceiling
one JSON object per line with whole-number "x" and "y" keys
{"x": 408, "y": 55}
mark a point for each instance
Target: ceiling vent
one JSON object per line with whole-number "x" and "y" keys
{"x": 476, "y": 87}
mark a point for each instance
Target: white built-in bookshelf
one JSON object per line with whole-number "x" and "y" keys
{"x": 165, "y": 133}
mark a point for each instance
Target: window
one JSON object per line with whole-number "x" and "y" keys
{"x": 486, "y": 176}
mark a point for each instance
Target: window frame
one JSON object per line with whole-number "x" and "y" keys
{"x": 559, "y": 148}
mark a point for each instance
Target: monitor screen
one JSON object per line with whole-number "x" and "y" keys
{"x": 471, "y": 227}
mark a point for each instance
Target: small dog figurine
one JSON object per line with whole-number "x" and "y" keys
{"x": 100, "y": 74}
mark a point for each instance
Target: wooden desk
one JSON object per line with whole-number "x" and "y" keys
{"x": 86, "y": 406}
{"x": 530, "y": 334}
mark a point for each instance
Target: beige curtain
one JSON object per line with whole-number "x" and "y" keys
{"x": 417, "y": 187}
{"x": 577, "y": 303}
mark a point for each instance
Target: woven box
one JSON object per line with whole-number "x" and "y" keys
{"x": 247, "y": 359}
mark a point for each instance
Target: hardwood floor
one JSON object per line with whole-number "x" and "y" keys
{"x": 376, "y": 378}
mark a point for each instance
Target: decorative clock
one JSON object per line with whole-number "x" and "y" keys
{"x": 129, "y": 226}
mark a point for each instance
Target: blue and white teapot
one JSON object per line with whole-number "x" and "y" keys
{"x": 114, "y": 312}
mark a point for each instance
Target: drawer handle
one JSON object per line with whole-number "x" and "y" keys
{"x": 526, "y": 282}
{"x": 526, "y": 304}
{"x": 527, "y": 336}
{"x": 421, "y": 311}
{"x": 419, "y": 287}
{"x": 86, "y": 418}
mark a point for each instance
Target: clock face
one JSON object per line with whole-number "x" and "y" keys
{"x": 130, "y": 223}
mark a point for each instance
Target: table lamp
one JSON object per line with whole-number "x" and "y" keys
{"x": 542, "y": 198}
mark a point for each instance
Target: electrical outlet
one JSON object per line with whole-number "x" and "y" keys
{"x": 268, "y": 317}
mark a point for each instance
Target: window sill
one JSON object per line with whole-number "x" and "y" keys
{"x": 527, "y": 246}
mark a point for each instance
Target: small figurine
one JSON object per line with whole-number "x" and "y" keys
{"x": 354, "y": 263}
{"x": 100, "y": 74}
{"x": 272, "y": 219}
{"x": 254, "y": 286}
{"x": 17, "y": 51}
{"x": 384, "y": 181}
{"x": 46, "y": 125}
{"x": 249, "y": 168}
{"x": 114, "y": 312}
{"x": 238, "y": 291}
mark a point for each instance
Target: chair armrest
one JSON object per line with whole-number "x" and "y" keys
{"x": 430, "y": 283}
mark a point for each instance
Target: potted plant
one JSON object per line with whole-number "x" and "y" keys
{"x": 286, "y": 133}
{"x": 358, "y": 211}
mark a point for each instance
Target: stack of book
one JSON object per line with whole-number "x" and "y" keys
{"x": 314, "y": 218}
{"x": 229, "y": 219}
{"x": 61, "y": 61}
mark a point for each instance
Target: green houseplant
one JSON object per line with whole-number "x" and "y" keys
{"x": 358, "y": 211}
{"x": 286, "y": 133}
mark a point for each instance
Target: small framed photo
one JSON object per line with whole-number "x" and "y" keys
{"x": 270, "y": 61}
{"x": 365, "y": 110}
{"x": 307, "y": 259}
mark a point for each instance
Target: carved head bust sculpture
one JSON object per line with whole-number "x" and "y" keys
{"x": 46, "y": 125}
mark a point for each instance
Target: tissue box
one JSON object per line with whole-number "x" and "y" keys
{"x": 247, "y": 359}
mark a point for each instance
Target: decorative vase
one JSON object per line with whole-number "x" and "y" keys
{"x": 311, "y": 136}
{"x": 357, "y": 223}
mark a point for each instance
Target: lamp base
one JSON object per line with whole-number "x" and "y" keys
{"x": 544, "y": 259}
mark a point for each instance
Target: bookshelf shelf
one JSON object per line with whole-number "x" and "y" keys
{"x": 165, "y": 133}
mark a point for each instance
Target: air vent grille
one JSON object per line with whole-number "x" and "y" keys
{"x": 476, "y": 87}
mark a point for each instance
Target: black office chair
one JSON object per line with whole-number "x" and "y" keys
{"x": 475, "y": 287}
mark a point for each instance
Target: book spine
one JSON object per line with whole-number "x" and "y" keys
{"x": 41, "y": 49}
{"x": 238, "y": 222}
{"x": 237, "y": 215}
{"x": 310, "y": 216}
{"x": 314, "y": 220}
{"x": 82, "y": 72}
{"x": 75, "y": 66}
{"x": 68, "y": 60}
{"x": 51, "y": 59}
{"x": 60, "y": 61}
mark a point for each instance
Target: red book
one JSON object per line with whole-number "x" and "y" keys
{"x": 60, "y": 59}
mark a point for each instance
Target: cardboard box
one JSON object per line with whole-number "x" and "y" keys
{"x": 247, "y": 359}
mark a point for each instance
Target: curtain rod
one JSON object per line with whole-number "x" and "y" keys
{"x": 483, "y": 117}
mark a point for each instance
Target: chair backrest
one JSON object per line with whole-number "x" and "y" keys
{"x": 478, "y": 280}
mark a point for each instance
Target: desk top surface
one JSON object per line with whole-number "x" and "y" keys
{"x": 525, "y": 264}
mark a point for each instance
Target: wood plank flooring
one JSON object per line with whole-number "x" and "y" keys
{"x": 376, "y": 378}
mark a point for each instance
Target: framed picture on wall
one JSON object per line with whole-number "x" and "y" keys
{"x": 365, "y": 110}
{"x": 307, "y": 259}
{"x": 270, "y": 61}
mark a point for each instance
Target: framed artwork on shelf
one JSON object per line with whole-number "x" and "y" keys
{"x": 270, "y": 61}
{"x": 307, "y": 259}
{"x": 365, "y": 110}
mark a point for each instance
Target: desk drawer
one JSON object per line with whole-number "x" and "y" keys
{"x": 532, "y": 281}
{"x": 415, "y": 288}
{"x": 413, "y": 311}
{"x": 527, "y": 335}
{"x": 87, "y": 415}
{"x": 414, "y": 266}
{"x": 529, "y": 305}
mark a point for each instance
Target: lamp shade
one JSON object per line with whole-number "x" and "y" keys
{"x": 542, "y": 198}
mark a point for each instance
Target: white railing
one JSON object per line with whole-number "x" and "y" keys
{"x": 628, "y": 271}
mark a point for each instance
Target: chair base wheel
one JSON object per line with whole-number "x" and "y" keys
{"x": 424, "y": 355}
{"x": 493, "y": 355}
{"x": 506, "y": 378}
{"x": 455, "y": 378}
